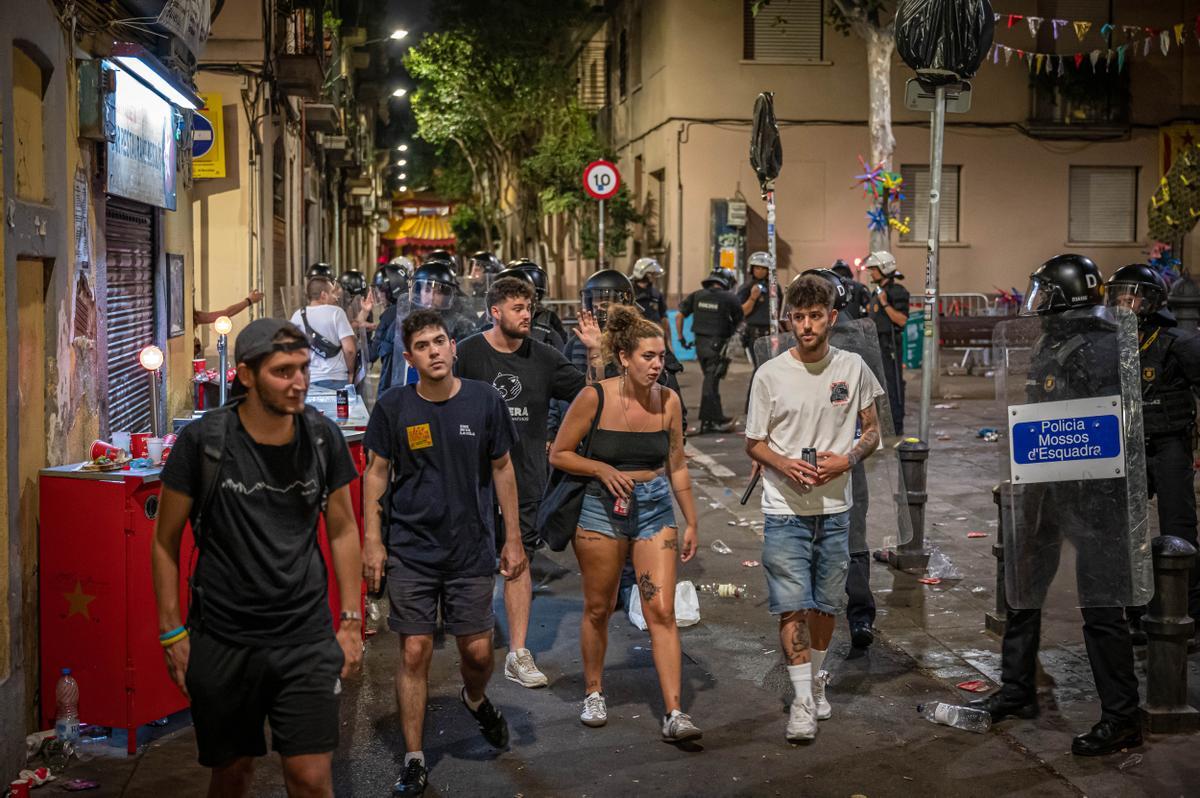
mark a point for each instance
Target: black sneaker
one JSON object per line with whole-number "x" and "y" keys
{"x": 412, "y": 779}
{"x": 708, "y": 427}
{"x": 861, "y": 635}
{"x": 492, "y": 724}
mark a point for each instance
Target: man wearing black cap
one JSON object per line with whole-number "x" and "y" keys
{"x": 253, "y": 478}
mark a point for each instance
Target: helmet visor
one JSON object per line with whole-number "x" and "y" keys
{"x": 1141, "y": 299}
{"x": 1040, "y": 298}
{"x": 434, "y": 295}
{"x": 601, "y": 298}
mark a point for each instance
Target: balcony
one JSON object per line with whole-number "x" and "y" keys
{"x": 1081, "y": 104}
{"x": 300, "y": 52}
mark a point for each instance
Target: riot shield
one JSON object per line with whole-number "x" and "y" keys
{"x": 463, "y": 318}
{"x": 880, "y": 514}
{"x": 772, "y": 345}
{"x": 1069, "y": 387}
{"x": 291, "y": 299}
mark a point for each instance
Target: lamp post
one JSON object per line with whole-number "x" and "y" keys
{"x": 222, "y": 325}
{"x": 151, "y": 359}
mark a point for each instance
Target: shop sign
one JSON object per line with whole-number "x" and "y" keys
{"x": 141, "y": 144}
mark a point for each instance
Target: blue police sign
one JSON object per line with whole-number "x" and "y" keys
{"x": 1071, "y": 440}
{"x": 202, "y": 136}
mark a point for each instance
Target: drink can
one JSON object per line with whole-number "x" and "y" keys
{"x": 621, "y": 506}
{"x": 105, "y": 449}
{"x": 809, "y": 456}
{"x": 166, "y": 452}
{"x": 343, "y": 404}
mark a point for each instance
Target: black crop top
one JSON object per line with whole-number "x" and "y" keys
{"x": 631, "y": 451}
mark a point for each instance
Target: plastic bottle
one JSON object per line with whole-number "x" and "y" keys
{"x": 66, "y": 696}
{"x": 967, "y": 718}
{"x": 724, "y": 590}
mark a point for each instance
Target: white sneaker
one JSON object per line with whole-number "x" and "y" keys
{"x": 519, "y": 667}
{"x": 802, "y": 721}
{"x": 824, "y": 711}
{"x": 678, "y": 727}
{"x": 595, "y": 711}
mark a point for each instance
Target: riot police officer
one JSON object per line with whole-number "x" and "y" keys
{"x": 391, "y": 285}
{"x": 754, "y": 294}
{"x": 435, "y": 287}
{"x": 889, "y": 309}
{"x": 1170, "y": 368}
{"x": 1075, "y": 356}
{"x": 717, "y": 315}
{"x": 482, "y": 269}
{"x": 858, "y": 296}
{"x": 544, "y": 318}
{"x": 318, "y": 269}
{"x": 653, "y": 304}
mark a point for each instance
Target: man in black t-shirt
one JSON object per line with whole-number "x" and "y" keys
{"x": 439, "y": 461}
{"x": 253, "y": 477}
{"x": 527, "y": 375}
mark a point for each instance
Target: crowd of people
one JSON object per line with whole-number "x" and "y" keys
{"x": 495, "y": 432}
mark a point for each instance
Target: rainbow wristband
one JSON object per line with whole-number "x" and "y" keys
{"x": 172, "y": 633}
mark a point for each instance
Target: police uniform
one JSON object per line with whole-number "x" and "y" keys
{"x": 891, "y": 345}
{"x": 1170, "y": 361}
{"x": 758, "y": 320}
{"x": 716, "y": 314}
{"x": 858, "y": 300}
{"x": 548, "y": 328}
{"x": 1072, "y": 360}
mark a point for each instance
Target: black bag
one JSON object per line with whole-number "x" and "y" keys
{"x": 558, "y": 514}
{"x": 319, "y": 343}
{"x": 950, "y": 35}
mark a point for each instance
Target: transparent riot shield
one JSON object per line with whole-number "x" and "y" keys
{"x": 772, "y": 345}
{"x": 291, "y": 299}
{"x": 879, "y": 513}
{"x": 463, "y": 318}
{"x": 1069, "y": 387}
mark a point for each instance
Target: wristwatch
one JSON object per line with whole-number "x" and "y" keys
{"x": 349, "y": 615}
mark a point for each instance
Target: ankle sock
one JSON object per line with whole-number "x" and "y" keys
{"x": 801, "y": 676}
{"x": 472, "y": 705}
{"x": 818, "y": 659}
{"x": 411, "y": 755}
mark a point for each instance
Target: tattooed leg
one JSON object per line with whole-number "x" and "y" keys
{"x": 654, "y": 561}
{"x": 794, "y": 637}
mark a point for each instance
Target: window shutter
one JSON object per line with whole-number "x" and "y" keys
{"x": 915, "y": 204}
{"x": 129, "y": 240}
{"x": 1103, "y": 204}
{"x": 783, "y": 31}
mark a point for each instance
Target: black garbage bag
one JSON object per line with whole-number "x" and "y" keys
{"x": 945, "y": 35}
{"x": 766, "y": 151}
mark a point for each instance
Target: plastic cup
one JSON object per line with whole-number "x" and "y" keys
{"x": 105, "y": 449}
{"x": 154, "y": 449}
{"x": 137, "y": 445}
{"x": 121, "y": 440}
{"x": 19, "y": 788}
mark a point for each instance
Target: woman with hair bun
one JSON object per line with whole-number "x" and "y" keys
{"x": 635, "y": 463}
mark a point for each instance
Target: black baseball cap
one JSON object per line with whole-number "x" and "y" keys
{"x": 258, "y": 338}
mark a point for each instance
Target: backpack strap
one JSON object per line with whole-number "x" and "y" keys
{"x": 215, "y": 426}
{"x": 317, "y": 430}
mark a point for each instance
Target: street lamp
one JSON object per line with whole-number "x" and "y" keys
{"x": 399, "y": 92}
{"x": 404, "y": 188}
{"x": 402, "y": 148}
{"x": 403, "y": 176}
{"x": 223, "y": 326}
{"x": 151, "y": 359}
{"x": 398, "y": 34}
{"x": 402, "y": 162}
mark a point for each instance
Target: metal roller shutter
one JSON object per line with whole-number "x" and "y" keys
{"x": 129, "y": 237}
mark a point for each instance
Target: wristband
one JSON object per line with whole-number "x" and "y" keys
{"x": 172, "y": 633}
{"x": 349, "y": 615}
{"x": 170, "y": 641}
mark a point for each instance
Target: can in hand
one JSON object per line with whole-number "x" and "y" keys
{"x": 809, "y": 456}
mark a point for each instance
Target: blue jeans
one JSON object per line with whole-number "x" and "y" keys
{"x": 806, "y": 558}
{"x": 654, "y": 510}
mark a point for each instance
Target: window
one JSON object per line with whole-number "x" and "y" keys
{"x": 783, "y": 31}
{"x": 623, "y": 64}
{"x": 1103, "y": 204}
{"x": 915, "y": 204}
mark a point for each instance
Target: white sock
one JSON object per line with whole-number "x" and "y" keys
{"x": 801, "y": 676}
{"x": 472, "y": 705}
{"x": 818, "y": 659}
{"x": 411, "y": 755}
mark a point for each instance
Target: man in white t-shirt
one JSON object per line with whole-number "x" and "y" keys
{"x": 330, "y": 335}
{"x": 811, "y": 397}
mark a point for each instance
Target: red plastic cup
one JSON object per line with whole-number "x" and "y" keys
{"x": 166, "y": 453}
{"x": 105, "y": 449}
{"x": 19, "y": 788}
{"x": 199, "y": 365}
{"x": 137, "y": 444}
{"x": 169, "y": 439}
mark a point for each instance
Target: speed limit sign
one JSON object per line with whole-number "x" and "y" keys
{"x": 601, "y": 180}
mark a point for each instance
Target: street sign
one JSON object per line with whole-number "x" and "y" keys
{"x": 208, "y": 140}
{"x": 601, "y": 180}
{"x": 1071, "y": 440}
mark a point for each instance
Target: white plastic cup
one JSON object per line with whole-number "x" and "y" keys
{"x": 121, "y": 440}
{"x": 154, "y": 450}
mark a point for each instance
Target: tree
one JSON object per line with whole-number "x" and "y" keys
{"x": 873, "y": 21}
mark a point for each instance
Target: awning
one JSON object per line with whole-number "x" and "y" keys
{"x": 421, "y": 231}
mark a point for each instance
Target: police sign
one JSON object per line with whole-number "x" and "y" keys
{"x": 1064, "y": 441}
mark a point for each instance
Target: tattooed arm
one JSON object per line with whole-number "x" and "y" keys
{"x": 830, "y": 465}
{"x": 681, "y": 479}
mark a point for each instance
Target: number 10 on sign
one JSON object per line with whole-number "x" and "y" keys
{"x": 601, "y": 180}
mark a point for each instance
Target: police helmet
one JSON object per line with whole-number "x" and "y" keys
{"x": 606, "y": 287}
{"x": 882, "y": 260}
{"x": 536, "y": 273}
{"x": 518, "y": 274}
{"x": 405, "y": 263}
{"x": 718, "y": 278}
{"x": 486, "y": 261}
{"x": 1137, "y": 287}
{"x": 841, "y": 295}
{"x": 762, "y": 259}
{"x": 318, "y": 269}
{"x": 646, "y": 268}
{"x": 842, "y": 269}
{"x": 392, "y": 280}
{"x": 1063, "y": 283}
{"x": 434, "y": 285}
{"x": 353, "y": 282}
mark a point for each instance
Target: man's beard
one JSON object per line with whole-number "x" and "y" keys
{"x": 276, "y": 408}
{"x": 817, "y": 345}
{"x": 515, "y": 331}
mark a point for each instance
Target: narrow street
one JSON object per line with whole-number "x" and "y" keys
{"x": 931, "y": 637}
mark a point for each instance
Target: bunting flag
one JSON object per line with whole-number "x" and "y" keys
{"x": 1034, "y": 23}
{"x": 1007, "y": 55}
{"x": 1179, "y": 33}
{"x": 1164, "y": 42}
{"x": 1056, "y": 24}
{"x": 1038, "y": 58}
{"x": 1121, "y": 57}
{"x": 1094, "y": 56}
{"x": 1081, "y": 28}
{"x": 1106, "y": 29}
{"x": 1062, "y": 66}
{"x": 1078, "y": 60}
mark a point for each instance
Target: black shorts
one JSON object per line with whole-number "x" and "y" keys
{"x": 234, "y": 688}
{"x": 530, "y": 539}
{"x": 415, "y": 596}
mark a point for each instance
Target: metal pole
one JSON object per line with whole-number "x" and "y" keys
{"x": 772, "y": 279}
{"x": 155, "y": 421}
{"x": 222, "y": 368}
{"x": 600, "y": 240}
{"x": 1169, "y": 628}
{"x": 929, "y": 360}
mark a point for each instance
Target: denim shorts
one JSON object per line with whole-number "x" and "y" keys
{"x": 806, "y": 558}
{"x": 654, "y": 510}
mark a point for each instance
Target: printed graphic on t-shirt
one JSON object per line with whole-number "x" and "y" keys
{"x": 465, "y": 429}
{"x": 419, "y": 436}
{"x": 839, "y": 393}
{"x": 306, "y": 488}
{"x": 508, "y": 385}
